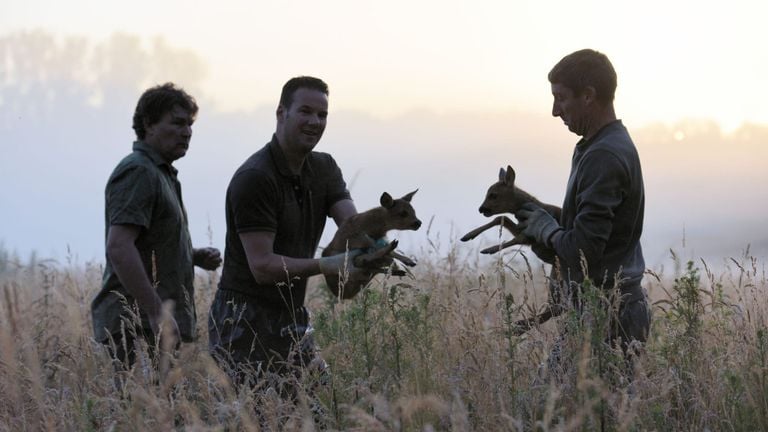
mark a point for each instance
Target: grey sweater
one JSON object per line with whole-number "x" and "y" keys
{"x": 603, "y": 210}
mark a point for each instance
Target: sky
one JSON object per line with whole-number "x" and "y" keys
{"x": 430, "y": 94}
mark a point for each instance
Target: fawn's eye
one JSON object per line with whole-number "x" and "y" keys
{"x": 492, "y": 196}
{"x": 403, "y": 214}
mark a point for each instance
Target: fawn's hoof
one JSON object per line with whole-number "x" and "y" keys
{"x": 491, "y": 250}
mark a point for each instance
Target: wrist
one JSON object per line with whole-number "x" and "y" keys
{"x": 550, "y": 239}
{"x": 332, "y": 265}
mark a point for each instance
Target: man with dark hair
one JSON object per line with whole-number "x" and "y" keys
{"x": 149, "y": 254}
{"x": 602, "y": 214}
{"x": 276, "y": 208}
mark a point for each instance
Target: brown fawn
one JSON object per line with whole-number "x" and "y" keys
{"x": 504, "y": 197}
{"x": 361, "y": 232}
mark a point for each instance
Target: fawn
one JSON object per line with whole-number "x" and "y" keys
{"x": 504, "y": 197}
{"x": 361, "y": 232}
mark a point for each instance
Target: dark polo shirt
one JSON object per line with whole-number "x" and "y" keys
{"x": 264, "y": 195}
{"x": 143, "y": 190}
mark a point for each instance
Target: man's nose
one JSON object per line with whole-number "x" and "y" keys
{"x": 314, "y": 119}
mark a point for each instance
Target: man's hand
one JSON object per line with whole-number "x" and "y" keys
{"x": 208, "y": 258}
{"x": 165, "y": 328}
{"x": 379, "y": 243}
{"x": 337, "y": 264}
{"x": 536, "y": 223}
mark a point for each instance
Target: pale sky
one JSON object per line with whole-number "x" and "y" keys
{"x": 435, "y": 95}
{"x": 676, "y": 59}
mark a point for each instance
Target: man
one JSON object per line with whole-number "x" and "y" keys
{"x": 149, "y": 253}
{"x": 276, "y": 208}
{"x": 602, "y": 214}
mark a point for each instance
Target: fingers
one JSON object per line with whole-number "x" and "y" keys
{"x": 167, "y": 330}
{"x": 208, "y": 258}
{"x": 523, "y": 224}
{"x": 211, "y": 263}
{"x": 523, "y": 214}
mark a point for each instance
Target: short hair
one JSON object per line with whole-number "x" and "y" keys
{"x": 158, "y": 100}
{"x": 293, "y": 84}
{"x": 585, "y": 68}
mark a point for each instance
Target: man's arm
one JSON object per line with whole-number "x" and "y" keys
{"x": 126, "y": 261}
{"x": 268, "y": 267}
{"x": 342, "y": 210}
{"x": 599, "y": 191}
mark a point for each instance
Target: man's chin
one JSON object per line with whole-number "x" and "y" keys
{"x": 179, "y": 154}
{"x": 310, "y": 142}
{"x": 574, "y": 130}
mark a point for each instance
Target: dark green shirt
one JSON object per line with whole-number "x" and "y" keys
{"x": 143, "y": 190}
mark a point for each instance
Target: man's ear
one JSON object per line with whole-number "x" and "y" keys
{"x": 589, "y": 94}
{"x": 147, "y": 127}
{"x": 280, "y": 113}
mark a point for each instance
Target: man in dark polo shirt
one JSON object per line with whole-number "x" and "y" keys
{"x": 149, "y": 253}
{"x": 602, "y": 213}
{"x": 277, "y": 204}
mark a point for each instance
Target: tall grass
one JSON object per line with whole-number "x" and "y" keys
{"x": 437, "y": 351}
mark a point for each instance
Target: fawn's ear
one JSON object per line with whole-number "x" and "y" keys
{"x": 386, "y": 200}
{"x": 408, "y": 197}
{"x": 502, "y": 174}
{"x": 510, "y": 177}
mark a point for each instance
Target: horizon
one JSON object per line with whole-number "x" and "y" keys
{"x": 441, "y": 89}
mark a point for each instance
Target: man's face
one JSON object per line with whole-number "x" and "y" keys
{"x": 170, "y": 136}
{"x": 570, "y": 108}
{"x": 301, "y": 125}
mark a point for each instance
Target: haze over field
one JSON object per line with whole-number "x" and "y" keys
{"x": 440, "y": 112}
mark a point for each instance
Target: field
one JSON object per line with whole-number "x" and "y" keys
{"x": 433, "y": 352}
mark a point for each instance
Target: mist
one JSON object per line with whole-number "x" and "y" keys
{"x": 65, "y": 121}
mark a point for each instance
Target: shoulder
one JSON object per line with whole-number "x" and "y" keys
{"x": 614, "y": 139}
{"x": 258, "y": 165}
{"x": 136, "y": 167}
{"x": 613, "y": 145}
{"x": 253, "y": 180}
{"x": 254, "y": 177}
{"x": 323, "y": 163}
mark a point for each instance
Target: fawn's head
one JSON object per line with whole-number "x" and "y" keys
{"x": 400, "y": 212}
{"x": 501, "y": 196}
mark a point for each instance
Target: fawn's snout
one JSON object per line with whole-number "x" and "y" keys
{"x": 402, "y": 216}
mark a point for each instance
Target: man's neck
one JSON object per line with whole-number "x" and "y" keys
{"x": 601, "y": 119}
{"x": 294, "y": 159}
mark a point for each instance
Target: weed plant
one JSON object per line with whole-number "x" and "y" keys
{"x": 434, "y": 351}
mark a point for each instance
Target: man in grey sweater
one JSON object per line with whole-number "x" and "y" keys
{"x": 598, "y": 235}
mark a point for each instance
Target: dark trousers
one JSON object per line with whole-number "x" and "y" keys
{"x": 123, "y": 347}
{"x": 251, "y": 339}
{"x": 628, "y": 328}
